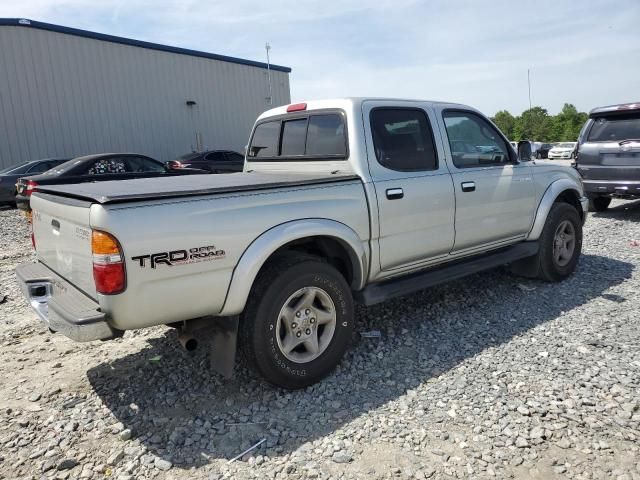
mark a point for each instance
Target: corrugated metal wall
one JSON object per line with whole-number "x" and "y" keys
{"x": 63, "y": 95}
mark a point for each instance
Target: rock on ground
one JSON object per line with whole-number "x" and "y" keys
{"x": 489, "y": 376}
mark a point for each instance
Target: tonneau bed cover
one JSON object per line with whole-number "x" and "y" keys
{"x": 188, "y": 185}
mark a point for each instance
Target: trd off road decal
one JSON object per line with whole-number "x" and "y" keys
{"x": 180, "y": 257}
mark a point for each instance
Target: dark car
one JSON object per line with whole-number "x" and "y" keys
{"x": 215, "y": 161}
{"x": 608, "y": 155}
{"x": 10, "y": 175}
{"x": 97, "y": 168}
{"x": 543, "y": 151}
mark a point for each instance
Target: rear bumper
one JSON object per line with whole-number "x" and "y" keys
{"x": 62, "y": 307}
{"x": 612, "y": 187}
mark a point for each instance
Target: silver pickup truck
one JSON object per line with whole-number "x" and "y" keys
{"x": 339, "y": 201}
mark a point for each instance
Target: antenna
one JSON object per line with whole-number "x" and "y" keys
{"x": 269, "y": 99}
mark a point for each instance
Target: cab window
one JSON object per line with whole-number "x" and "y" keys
{"x": 403, "y": 139}
{"x": 313, "y": 136}
{"x": 473, "y": 141}
{"x": 265, "y": 140}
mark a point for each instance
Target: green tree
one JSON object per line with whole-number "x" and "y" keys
{"x": 567, "y": 123}
{"x": 505, "y": 122}
{"x": 537, "y": 125}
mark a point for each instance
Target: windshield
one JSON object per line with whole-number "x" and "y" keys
{"x": 19, "y": 168}
{"x": 565, "y": 145}
{"x": 615, "y": 128}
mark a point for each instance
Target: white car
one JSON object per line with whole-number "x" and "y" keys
{"x": 563, "y": 151}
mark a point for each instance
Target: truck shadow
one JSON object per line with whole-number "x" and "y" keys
{"x": 627, "y": 211}
{"x": 183, "y": 413}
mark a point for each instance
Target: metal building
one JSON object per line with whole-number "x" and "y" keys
{"x": 70, "y": 92}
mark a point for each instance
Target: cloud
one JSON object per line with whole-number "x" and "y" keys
{"x": 458, "y": 50}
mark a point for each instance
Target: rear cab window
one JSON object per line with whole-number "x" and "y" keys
{"x": 313, "y": 135}
{"x": 615, "y": 128}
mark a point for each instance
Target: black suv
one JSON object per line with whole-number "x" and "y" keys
{"x": 609, "y": 154}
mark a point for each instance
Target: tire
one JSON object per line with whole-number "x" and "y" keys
{"x": 599, "y": 204}
{"x": 538, "y": 156}
{"x": 550, "y": 267}
{"x": 267, "y": 329}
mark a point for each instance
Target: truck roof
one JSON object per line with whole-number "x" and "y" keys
{"x": 619, "y": 108}
{"x": 354, "y": 103}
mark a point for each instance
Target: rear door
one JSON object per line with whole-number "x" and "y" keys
{"x": 413, "y": 186}
{"x": 610, "y": 147}
{"x": 495, "y": 196}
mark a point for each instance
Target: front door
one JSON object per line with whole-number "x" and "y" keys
{"x": 413, "y": 186}
{"x": 495, "y": 196}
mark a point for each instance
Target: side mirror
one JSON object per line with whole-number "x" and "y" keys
{"x": 524, "y": 151}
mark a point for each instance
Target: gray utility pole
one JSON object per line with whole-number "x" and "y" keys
{"x": 267, "y": 47}
{"x": 529, "y": 81}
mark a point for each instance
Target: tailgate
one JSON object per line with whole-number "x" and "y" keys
{"x": 63, "y": 238}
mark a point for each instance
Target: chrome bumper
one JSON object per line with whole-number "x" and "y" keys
{"x": 62, "y": 307}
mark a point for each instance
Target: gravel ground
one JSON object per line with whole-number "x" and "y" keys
{"x": 491, "y": 376}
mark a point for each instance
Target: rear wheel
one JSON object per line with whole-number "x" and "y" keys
{"x": 599, "y": 204}
{"x": 298, "y": 321}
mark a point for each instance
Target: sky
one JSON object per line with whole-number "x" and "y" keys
{"x": 476, "y": 52}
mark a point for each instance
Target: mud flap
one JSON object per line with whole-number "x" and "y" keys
{"x": 218, "y": 336}
{"x": 527, "y": 267}
{"x": 222, "y": 345}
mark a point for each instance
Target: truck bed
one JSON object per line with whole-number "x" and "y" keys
{"x": 188, "y": 185}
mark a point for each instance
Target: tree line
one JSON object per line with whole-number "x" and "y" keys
{"x": 537, "y": 125}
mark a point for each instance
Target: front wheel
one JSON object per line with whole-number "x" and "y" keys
{"x": 298, "y": 321}
{"x": 560, "y": 243}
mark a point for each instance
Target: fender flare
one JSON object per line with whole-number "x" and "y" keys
{"x": 554, "y": 190}
{"x": 259, "y": 251}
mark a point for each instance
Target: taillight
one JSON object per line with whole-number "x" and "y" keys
{"x": 30, "y": 187}
{"x": 108, "y": 263}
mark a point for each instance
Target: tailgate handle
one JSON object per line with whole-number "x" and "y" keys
{"x": 56, "y": 225}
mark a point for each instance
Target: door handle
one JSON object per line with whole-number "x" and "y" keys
{"x": 468, "y": 186}
{"x": 394, "y": 193}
